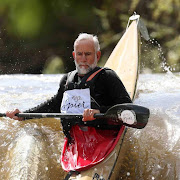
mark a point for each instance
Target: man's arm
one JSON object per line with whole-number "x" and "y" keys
{"x": 113, "y": 92}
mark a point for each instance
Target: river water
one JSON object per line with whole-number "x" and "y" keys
{"x": 30, "y": 150}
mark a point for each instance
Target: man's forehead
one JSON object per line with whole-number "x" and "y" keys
{"x": 84, "y": 45}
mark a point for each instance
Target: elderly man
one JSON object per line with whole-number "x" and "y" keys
{"x": 88, "y": 90}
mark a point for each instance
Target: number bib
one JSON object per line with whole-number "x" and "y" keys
{"x": 75, "y": 101}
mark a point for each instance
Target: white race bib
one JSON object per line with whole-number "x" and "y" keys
{"x": 75, "y": 101}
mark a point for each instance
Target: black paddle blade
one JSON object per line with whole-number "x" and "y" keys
{"x": 129, "y": 114}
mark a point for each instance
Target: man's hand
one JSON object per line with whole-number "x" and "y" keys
{"x": 88, "y": 114}
{"x": 12, "y": 115}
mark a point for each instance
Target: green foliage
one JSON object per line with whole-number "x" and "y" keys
{"x": 34, "y": 30}
{"x": 54, "y": 66}
{"x": 162, "y": 19}
{"x": 25, "y": 18}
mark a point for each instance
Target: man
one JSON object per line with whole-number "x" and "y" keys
{"x": 88, "y": 90}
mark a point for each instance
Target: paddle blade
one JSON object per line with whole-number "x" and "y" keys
{"x": 129, "y": 115}
{"x": 143, "y": 30}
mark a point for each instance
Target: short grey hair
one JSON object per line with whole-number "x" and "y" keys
{"x": 86, "y": 36}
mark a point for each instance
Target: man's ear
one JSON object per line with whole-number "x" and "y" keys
{"x": 98, "y": 54}
{"x": 73, "y": 53}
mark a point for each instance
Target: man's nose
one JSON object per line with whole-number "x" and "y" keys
{"x": 84, "y": 58}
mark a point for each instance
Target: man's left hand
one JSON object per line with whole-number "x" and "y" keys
{"x": 88, "y": 114}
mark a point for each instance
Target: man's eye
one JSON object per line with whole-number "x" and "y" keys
{"x": 88, "y": 54}
{"x": 79, "y": 54}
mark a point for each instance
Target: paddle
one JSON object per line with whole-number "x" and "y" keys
{"x": 141, "y": 26}
{"x": 127, "y": 114}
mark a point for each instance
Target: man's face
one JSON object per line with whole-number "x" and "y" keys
{"x": 85, "y": 56}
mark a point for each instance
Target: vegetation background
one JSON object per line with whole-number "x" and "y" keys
{"x": 36, "y": 36}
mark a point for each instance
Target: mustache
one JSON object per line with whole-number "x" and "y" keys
{"x": 83, "y": 64}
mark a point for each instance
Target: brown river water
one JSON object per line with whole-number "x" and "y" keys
{"x": 30, "y": 150}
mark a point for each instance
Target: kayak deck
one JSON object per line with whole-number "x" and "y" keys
{"x": 105, "y": 169}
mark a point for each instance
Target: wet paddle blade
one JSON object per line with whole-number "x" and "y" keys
{"x": 130, "y": 115}
{"x": 143, "y": 30}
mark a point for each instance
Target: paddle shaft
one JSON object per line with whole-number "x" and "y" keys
{"x": 52, "y": 115}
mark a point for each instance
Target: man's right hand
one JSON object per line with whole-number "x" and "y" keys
{"x": 12, "y": 115}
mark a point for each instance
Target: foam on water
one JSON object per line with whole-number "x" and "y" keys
{"x": 152, "y": 153}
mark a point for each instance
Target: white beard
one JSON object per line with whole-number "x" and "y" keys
{"x": 82, "y": 70}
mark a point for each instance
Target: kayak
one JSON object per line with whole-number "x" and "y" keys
{"x": 124, "y": 61}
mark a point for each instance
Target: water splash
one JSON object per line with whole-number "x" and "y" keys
{"x": 154, "y": 58}
{"x": 31, "y": 150}
{"x": 151, "y": 153}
